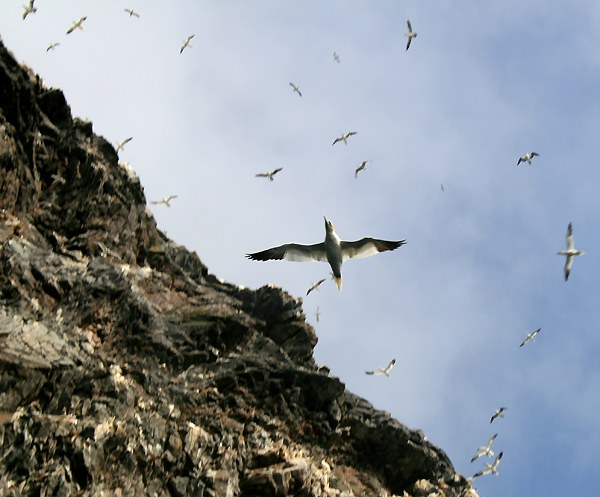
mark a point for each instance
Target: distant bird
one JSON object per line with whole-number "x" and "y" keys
{"x": 442, "y": 187}
{"x": 29, "y": 9}
{"x": 270, "y": 174}
{"x": 77, "y": 25}
{"x": 332, "y": 250}
{"x": 122, "y": 144}
{"x": 336, "y": 57}
{"x": 317, "y": 314}
{"x": 490, "y": 468}
{"x": 383, "y": 371}
{"x": 165, "y": 200}
{"x": 52, "y": 46}
{"x": 411, "y": 34}
{"x": 132, "y": 12}
{"x": 530, "y": 337}
{"x": 570, "y": 252}
{"x": 527, "y": 157}
{"x": 344, "y": 138}
{"x": 186, "y": 43}
{"x": 498, "y": 413}
{"x": 363, "y": 165}
{"x": 295, "y": 88}
{"x": 315, "y": 286}
{"x": 486, "y": 450}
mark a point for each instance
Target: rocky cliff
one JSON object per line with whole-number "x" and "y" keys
{"x": 127, "y": 369}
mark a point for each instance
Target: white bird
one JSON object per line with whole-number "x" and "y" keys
{"x": 270, "y": 174}
{"x": 186, "y": 43}
{"x": 295, "y": 88}
{"x": 530, "y": 337}
{"x": 52, "y": 46}
{"x": 363, "y": 165}
{"x": 132, "y": 12}
{"x": 315, "y": 286}
{"x": 165, "y": 200}
{"x": 336, "y": 57}
{"x": 486, "y": 450}
{"x": 332, "y": 250}
{"x": 411, "y": 34}
{"x": 527, "y": 157}
{"x": 77, "y": 25}
{"x": 344, "y": 138}
{"x": 383, "y": 371}
{"x": 490, "y": 468}
{"x": 29, "y": 9}
{"x": 570, "y": 252}
{"x": 121, "y": 145}
{"x": 498, "y": 413}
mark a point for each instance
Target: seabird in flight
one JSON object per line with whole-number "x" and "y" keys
{"x": 363, "y": 165}
{"x": 527, "y": 157}
{"x": 77, "y": 24}
{"x": 411, "y": 34}
{"x": 530, "y": 337}
{"x": 490, "y": 468}
{"x": 570, "y": 252}
{"x": 317, "y": 314}
{"x": 122, "y": 144}
{"x": 52, "y": 46}
{"x": 344, "y": 138}
{"x": 164, "y": 200}
{"x": 332, "y": 250}
{"x": 336, "y": 57}
{"x": 29, "y": 9}
{"x": 270, "y": 174}
{"x": 295, "y": 88}
{"x": 486, "y": 450}
{"x": 315, "y": 286}
{"x": 132, "y": 12}
{"x": 498, "y": 413}
{"x": 186, "y": 43}
{"x": 384, "y": 371}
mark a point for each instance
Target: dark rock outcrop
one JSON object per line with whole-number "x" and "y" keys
{"x": 127, "y": 369}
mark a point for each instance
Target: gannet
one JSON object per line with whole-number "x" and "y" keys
{"x": 530, "y": 337}
{"x": 317, "y": 314}
{"x": 570, "y": 252}
{"x": 336, "y": 57}
{"x": 132, "y": 12}
{"x": 363, "y": 165}
{"x": 122, "y": 144}
{"x": 486, "y": 450}
{"x": 490, "y": 468}
{"x": 52, "y": 46}
{"x": 77, "y": 24}
{"x": 29, "y": 9}
{"x": 295, "y": 88}
{"x": 332, "y": 250}
{"x": 186, "y": 43}
{"x": 411, "y": 34}
{"x": 344, "y": 138}
{"x": 270, "y": 174}
{"x": 527, "y": 157}
{"x": 164, "y": 200}
{"x": 384, "y": 371}
{"x": 315, "y": 286}
{"x": 498, "y": 413}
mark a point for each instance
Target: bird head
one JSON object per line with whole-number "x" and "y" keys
{"x": 328, "y": 225}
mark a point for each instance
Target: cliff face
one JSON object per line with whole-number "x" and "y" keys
{"x": 126, "y": 368}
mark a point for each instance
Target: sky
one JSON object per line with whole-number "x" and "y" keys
{"x": 482, "y": 84}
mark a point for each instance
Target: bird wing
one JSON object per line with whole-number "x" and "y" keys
{"x": 568, "y": 264}
{"x": 570, "y": 241}
{"x": 489, "y": 442}
{"x": 292, "y": 252}
{"x": 336, "y": 140}
{"x": 369, "y": 372}
{"x": 409, "y": 26}
{"x": 171, "y": 197}
{"x": 408, "y": 43}
{"x": 275, "y": 171}
{"x": 367, "y": 247}
{"x": 351, "y": 133}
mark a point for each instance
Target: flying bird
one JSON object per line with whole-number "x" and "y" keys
{"x": 122, "y": 144}
{"x": 317, "y": 314}
{"x": 490, "y": 468}
{"x": 132, "y": 12}
{"x": 486, "y": 450}
{"x": 384, "y": 371}
{"x": 332, "y": 250}
{"x": 29, "y": 9}
{"x": 411, "y": 34}
{"x": 363, "y": 165}
{"x": 270, "y": 174}
{"x": 315, "y": 286}
{"x": 527, "y": 157}
{"x": 498, "y": 413}
{"x": 186, "y": 43}
{"x": 52, "y": 46}
{"x": 442, "y": 187}
{"x": 165, "y": 200}
{"x": 336, "y": 57}
{"x": 295, "y": 88}
{"x": 344, "y": 138}
{"x": 530, "y": 337}
{"x": 76, "y": 25}
{"x": 570, "y": 252}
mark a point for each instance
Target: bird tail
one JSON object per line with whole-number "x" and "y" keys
{"x": 338, "y": 282}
